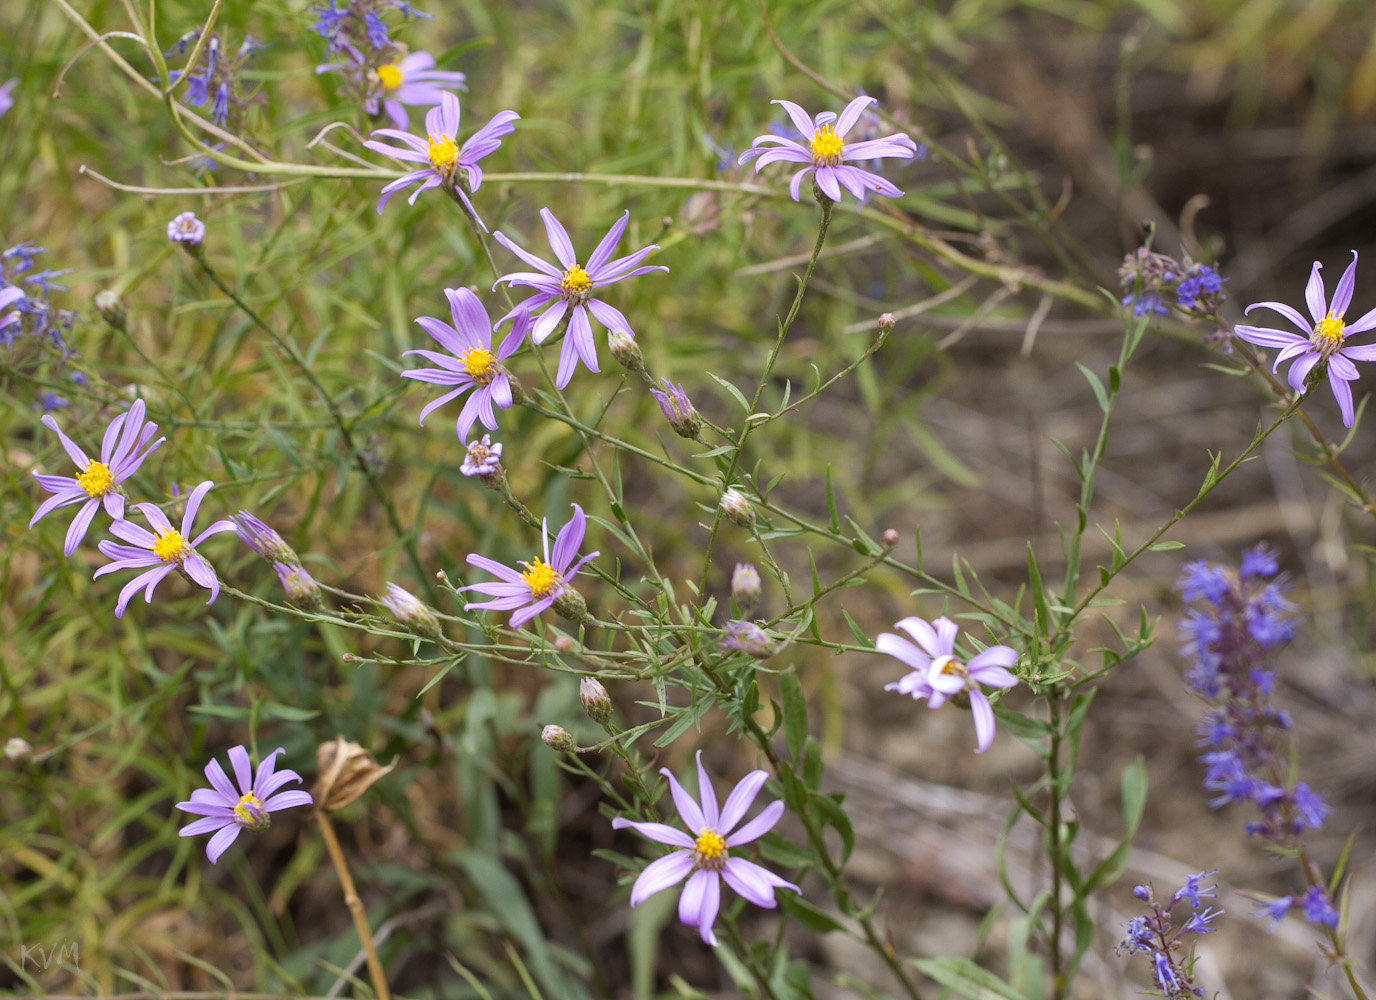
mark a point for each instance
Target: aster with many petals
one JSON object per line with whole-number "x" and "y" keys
{"x": 473, "y": 365}
{"x": 937, "y": 673}
{"x": 227, "y": 811}
{"x": 827, "y": 152}
{"x": 704, "y": 858}
{"x": 1322, "y": 340}
{"x": 543, "y": 581}
{"x": 161, "y": 551}
{"x": 448, "y": 165}
{"x": 567, "y": 290}
{"x": 412, "y": 80}
{"x": 128, "y": 441}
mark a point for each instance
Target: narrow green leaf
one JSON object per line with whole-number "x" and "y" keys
{"x": 735, "y": 393}
{"x": 833, "y": 519}
{"x": 1100, "y": 393}
{"x": 795, "y": 713}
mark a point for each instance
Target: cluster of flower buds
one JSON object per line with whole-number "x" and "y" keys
{"x": 1156, "y": 934}
{"x": 300, "y": 586}
{"x": 1148, "y": 277}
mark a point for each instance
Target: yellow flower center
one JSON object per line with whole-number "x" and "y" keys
{"x": 443, "y": 153}
{"x": 479, "y": 363}
{"x": 709, "y": 850}
{"x": 541, "y": 578}
{"x": 96, "y": 480}
{"x": 390, "y": 76}
{"x": 170, "y": 546}
{"x": 250, "y": 813}
{"x": 826, "y": 146}
{"x": 576, "y": 281}
{"x": 1329, "y": 331}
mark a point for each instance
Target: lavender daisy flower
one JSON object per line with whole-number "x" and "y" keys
{"x": 473, "y": 365}
{"x": 482, "y": 458}
{"x": 125, "y": 445}
{"x": 543, "y": 582}
{"x": 705, "y": 859}
{"x": 227, "y": 811}
{"x": 453, "y": 167}
{"x": 159, "y": 554}
{"x": 938, "y": 673}
{"x": 186, "y": 229}
{"x": 412, "y": 80}
{"x": 568, "y": 290}
{"x": 827, "y": 152}
{"x": 6, "y": 88}
{"x": 1322, "y": 341}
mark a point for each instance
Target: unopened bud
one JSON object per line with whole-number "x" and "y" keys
{"x": 678, "y": 409}
{"x": 735, "y": 506}
{"x": 111, "y": 309}
{"x": 410, "y": 611}
{"x": 890, "y": 537}
{"x": 17, "y": 749}
{"x": 301, "y": 588}
{"x": 886, "y": 322}
{"x": 745, "y": 587}
{"x": 749, "y": 638}
{"x": 263, "y": 540}
{"x": 626, "y": 351}
{"x": 570, "y": 605}
{"x": 596, "y": 702}
{"x": 346, "y": 772}
{"x": 558, "y": 738}
{"x": 564, "y": 644}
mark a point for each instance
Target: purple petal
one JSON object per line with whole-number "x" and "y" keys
{"x": 449, "y": 114}
{"x": 199, "y": 826}
{"x": 77, "y": 531}
{"x": 851, "y": 114}
{"x": 558, "y": 239}
{"x": 243, "y": 771}
{"x": 739, "y": 801}
{"x": 193, "y": 504}
{"x": 529, "y": 258}
{"x": 753, "y": 883}
{"x": 470, "y": 317}
{"x": 287, "y": 800}
{"x": 68, "y": 445}
{"x": 801, "y": 121}
{"x": 63, "y": 499}
{"x": 1342, "y": 295}
{"x": 580, "y": 332}
{"x": 496, "y": 569}
{"x": 796, "y": 181}
{"x": 1313, "y": 294}
{"x": 707, "y": 796}
{"x": 531, "y": 611}
{"x": 569, "y": 541}
{"x": 604, "y": 249}
{"x": 1264, "y": 337}
{"x": 1342, "y": 392}
{"x": 609, "y": 316}
{"x": 1300, "y": 370}
{"x": 548, "y": 322}
{"x": 661, "y": 874}
{"x": 263, "y": 775}
{"x": 687, "y": 809}
{"x": 826, "y": 181}
{"x": 147, "y": 581}
{"x": 984, "y": 720}
{"x": 221, "y": 841}
{"x": 659, "y": 832}
{"x": 924, "y": 635}
{"x": 435, "y": 404}
{"x": 698, "y": 905}
{"x": 114, "y": 506}
{"x": 568, "y": 362}
{"x": 215, "y": 774}
{"x": 758, "y": 826}
{"x": 1358, "y": 352}
{"x": 1289, "y": 312}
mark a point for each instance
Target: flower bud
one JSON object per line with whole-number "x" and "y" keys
{"x": 558, "y": 738}
{"x": 301, "y": 588}
{"x": 678, "y": 409}
{"x": 570, "y": 605}
{"x": 626, "y": 351}
{"x": 749, "y": 638}
{"x": 596, "y": 702}
{"x": 886, "y": 322}
{"x": 17, "y": 748}
{"x": 890, "y": 538}
{"x": 745, "y": 587}
{"x": 735, "y": 506}
{"x": 111, "y": 309}
{"x": 408, "y": 610}
{"x": 563, "y": 644}
{"x": 346, "y": 772}
{"x": 263, "y": 540}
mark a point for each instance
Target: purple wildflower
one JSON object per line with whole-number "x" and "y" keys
{"x": 1201, "y": 289}
{"x": 543, "y": 582}
{"x": 568, "y": 290}
{"x": 377, "y": 30}
{"x": 1157, "y": 934}
{"x": 327, "y": 19}
{"x": 937, "y": 673}
{"x": 453, "y": 167}
{"x": 10, "y": 296}
{"x": 412, "y": 80}
{"x": 122, "y": 450}
{"x": 748, "y": 638}
{"x": 159, "y": 554}
{"x": 1322, "y": 342}
{"x": 7, "y": 88}
{"x": 678, "y": 409}
{"x": 262, "y": 539}
{"x": 1276, "y": 909}
{"x": 1317, "y": 908}
{"x": 186, "y": 229}
{"x": 482, "y": 458}
{"x": 1146, "y": 303}
{"x": 827, "y": 152}
{"x": 227, "y": 811}
{"x": 473, "y": 364}
{"x": 705, "y": 859}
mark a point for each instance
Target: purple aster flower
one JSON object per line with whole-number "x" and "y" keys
{"x": 482, "y": 458}
{"x": 1317, "y": 908}
{"x": 568, "y": 290}
{"x": 161, "y": 552}
{"x": 127, "y": 442}
{"x": 705, "y": 859}
{"x": 6, "y": 89}
{"x": 678, "y": 409}
{"x": 827, "y": 152}
{"x": 473, "y": 364}
{"x": 10, "y": 296}
{"x": 377, "y": 30}
{"x": 413, "y": 80}
{"x": 543, "y": 581}
{"x": 750, "y": 639}
{"x": 186, "y": 229}
{"x": 1322, "y": 341}
{"x": 453, "y": 167}
{"x": 938, "y": 673}
{"x": 227, "y": 811}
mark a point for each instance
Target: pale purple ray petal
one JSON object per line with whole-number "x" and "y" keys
{"x": 903, "y": 650}
{"x": 625, "y": 267}
{"x": 1360, "y": 352}
{"x": 796, "y": 181}
{"x": 193, "y": 504}
{"x": 200, "y": 826}
{"x": 208, "y": 796}
{"x": 449, "y": 114}
{"x": 548, "y": 322}
{"x": 558, "y": 239}
{"x": 68, "y": 445}
{"x": 500, "y": 393}
{"x": 913, "y": 683}
{"x": 698, "y": 905}
{"x": 871, "y": 181}
{"x": 924, "y": 635}
{"x": 134, "y": 535}
{"x": 126, "y": 557}
{"x": 609, "y": 316}
{"x": 707, "y": 796}
{"x": 1343, "y": 368}
{"x": 568, "y": 362}
{"x": 200, "y": 572}
{"x": 604, "y": 249}
{"x": 1342, "y": 295}
{"x": 151, "y": 578}
{"x": 266, "y": 767}
{"x": 1289, "y": 312}
{"x": 851, "y": 114}
{"x": 287, "y": 800}
{"x": 826, "y": 180}
{"x": 877, "y": 149}
{"x": 852, "y": 180}
{"x": 220, "y": 842}
{"x": 661, "y": 874}
{"x": 1265, "y": 337}
{"x": 472, "y": 408}
{"x": 397, "y": 153}
{"x": 740, "y": 800}
{"x": 746, "y": 881}
{"x": 203, "y": 807}
{"x": 112, "y": 433}
{"x": 573, "y": 570}
{"x": 529, "y": 258}
{"x": 531, "y": 611}
{"x": 569, "y": 540}
{"x": 580, "y": 332}
{"x": 397, "y": 185}
{"x": 1342, "y": 392}
{"x": 782, "y": 154}
{"x": 114, "y": 505}
{"x": 758, "y": 826}
{"x": 434, "y": 404}
{"x": 470, "y": 318}
{"x": 688, "y": 810}
{"x": 1299, "y": 371}
{"x": 801, "y": 121}
{"x": 155, "y": 517}
{"x": 243, "y": 770}
{"x": 946, "y": 633}
{"x": 659, "y": 832}
{"x": 415, "y": 142}
{"x": 984, "y": 720}
{"x": 1367, "y": 322}
{"x": 1313, "y": 293}
{"x": 77, "y": 530}
{"x": 496, "y": 569}
{"x": 215, "y": 774}
{"x": 51, "y": 504}
{"x": 273, "y": 783}
{"x": 446, "y": 336}
{"x": 429, "y": 184}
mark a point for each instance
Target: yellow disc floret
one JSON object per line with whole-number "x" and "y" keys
{"x": 390, "y": 76}
{"x": 170, "y": 546}
{"x": 709, "y": 850}
{"x": 250, "y": 812}
{"x": 575, "y": 281}
{"x": 1328, "y": 332}
{"x": 443, "y": 153}
{"x": 479, "y": 363}
{"x": 826, "y": 146}
{"x": 96, "y": 480}
{"x": 541, "y": 578}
